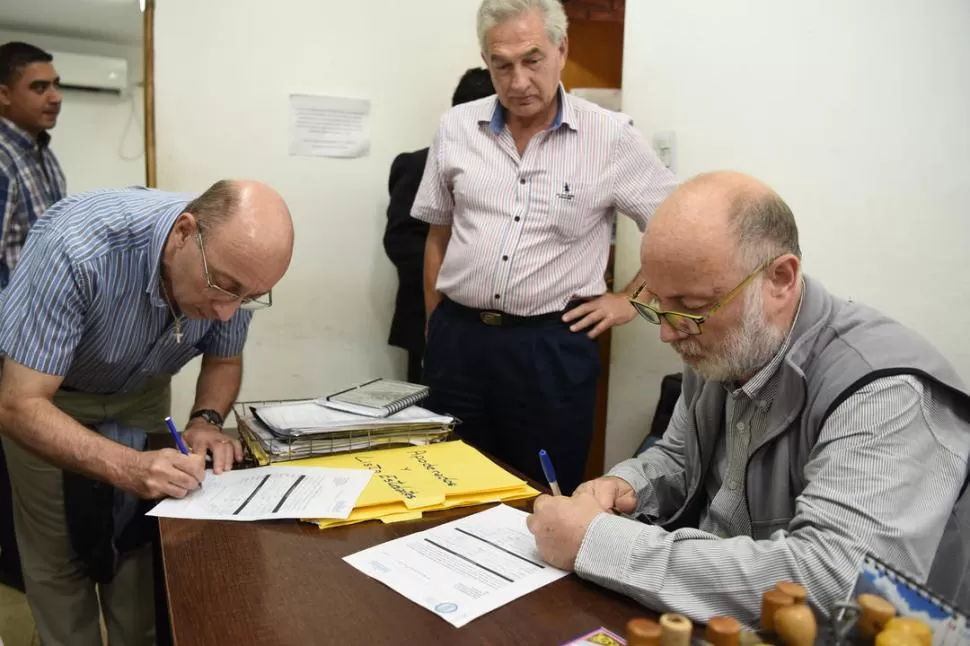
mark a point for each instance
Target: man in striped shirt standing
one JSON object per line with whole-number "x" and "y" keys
{"x": 116, "y": 292}
{"x": 31, "y": 180}
{"x": 521, "y": 192}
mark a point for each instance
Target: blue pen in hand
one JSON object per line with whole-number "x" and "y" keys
{"x": 175, "y": 434}
{"x": 178, "y": 439}
{"x": 550, "y": 472}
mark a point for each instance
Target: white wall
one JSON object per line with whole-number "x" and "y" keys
{"x": 855, "y": 112}
{"x": 99, "y": 139}
{"x": 222, "y": 112}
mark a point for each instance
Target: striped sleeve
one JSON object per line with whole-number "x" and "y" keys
{"x": 434, "y": 202}
{"x": 883, "y": 477}
{"x": 659, "y": 474}
{"x": 44, "y": 308}
{"x": 640, "y": 180}
{"x": 227, "y": 338}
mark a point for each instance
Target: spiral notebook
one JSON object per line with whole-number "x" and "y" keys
{"x": 951, "y": 627}
{"x": 376, "y": 398}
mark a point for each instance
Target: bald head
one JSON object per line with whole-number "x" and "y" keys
{"x": 247, "y": 230}
{"x": 723, "y": 218}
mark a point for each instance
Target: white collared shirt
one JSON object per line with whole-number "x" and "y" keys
{"x": 531, "y": 233}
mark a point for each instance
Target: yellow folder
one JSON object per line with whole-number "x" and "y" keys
{"x": 413, "y": 479}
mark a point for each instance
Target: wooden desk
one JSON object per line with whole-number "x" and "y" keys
{"x": 286, "y": 584}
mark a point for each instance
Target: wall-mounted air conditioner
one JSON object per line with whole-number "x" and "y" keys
{"x": 91, "y": 73}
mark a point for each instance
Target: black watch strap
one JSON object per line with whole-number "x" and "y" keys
{"x": 212, "y": 416}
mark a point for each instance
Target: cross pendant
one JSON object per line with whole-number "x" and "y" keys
{"x": 178, "y": 336}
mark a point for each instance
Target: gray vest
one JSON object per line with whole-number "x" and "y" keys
{"x": 836, "y": 348}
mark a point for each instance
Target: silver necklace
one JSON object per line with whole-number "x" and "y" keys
{"x": 178, "y": 319}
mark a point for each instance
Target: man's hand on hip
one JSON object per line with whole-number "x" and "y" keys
{"x": 601, "y": 314}
{"x": 559, "y": 524}
{"x": 611, "y": 493}
{"x": 165, "y": 473}
{"x": 201, "y": 436}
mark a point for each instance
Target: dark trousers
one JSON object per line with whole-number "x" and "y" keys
{"x": 11, "y": 573}
{"x": 519, "y": 387}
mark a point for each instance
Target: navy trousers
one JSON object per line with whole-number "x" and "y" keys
{"x": 519, "y": 387}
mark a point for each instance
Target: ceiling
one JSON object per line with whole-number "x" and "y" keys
{"x": 115, "y": 21}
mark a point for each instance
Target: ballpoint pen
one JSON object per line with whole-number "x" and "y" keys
{"x": 550, "y": 472}
{"x": 178, "y": 439}
{"x": 175, "y": 434}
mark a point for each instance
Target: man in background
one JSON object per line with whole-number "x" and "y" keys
{"x": 31, "y": 180}
{"x": 521, "y": 193}
{"x": 405, "y": 236}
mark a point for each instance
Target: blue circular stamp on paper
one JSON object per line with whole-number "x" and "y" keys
{"x": 445, "y": 608}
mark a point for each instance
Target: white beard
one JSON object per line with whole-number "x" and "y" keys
{"x": 745, "y": 350}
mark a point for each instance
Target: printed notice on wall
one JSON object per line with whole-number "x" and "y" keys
{"x": 326, "y": 126}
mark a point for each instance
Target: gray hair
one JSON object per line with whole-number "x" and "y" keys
{"x": 765, "y": 228}
{"x": 214, "y": 207}
{"x": 495, "y": 12}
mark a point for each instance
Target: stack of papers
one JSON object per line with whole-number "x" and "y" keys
{"x": 302, "y": 429}
{"x": 412, "y": 480}
{"x": 311, "y": 417}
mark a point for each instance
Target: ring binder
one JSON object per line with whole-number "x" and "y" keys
{"x": 950, "y": 624}
{"x": 377, "y": 397}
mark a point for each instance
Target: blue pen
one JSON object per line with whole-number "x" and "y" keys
{"x": 178, "y": 438}
{"x": 550, "y": 472}
{"x": 175, "y": 434}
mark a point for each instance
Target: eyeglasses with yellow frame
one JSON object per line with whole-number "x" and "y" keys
{"x": 691, "y": 324}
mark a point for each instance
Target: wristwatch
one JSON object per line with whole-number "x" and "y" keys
{"x": 213, "y": 417}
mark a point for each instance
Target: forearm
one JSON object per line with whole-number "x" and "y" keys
{"x": 658, "y": 480}
{"x": 633, "y": 284}
{"x": 434, "y": 254}
{"x": 659, "y": 474}
{"x": 218, "y": 383}
{"x": 38, "y": 425}
{"x": 701, "y": 575}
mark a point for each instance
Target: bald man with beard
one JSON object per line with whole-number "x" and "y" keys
{"x": 810, "y": 431}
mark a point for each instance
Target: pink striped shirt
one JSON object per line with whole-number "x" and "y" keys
{"x": 531, "y": 233}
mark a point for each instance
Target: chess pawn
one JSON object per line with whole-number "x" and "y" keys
{"x": 911, "y": 626}
{"x": 896, "y": 638}
{"x": 642, "y": 632}
{"x": 771, "y": 602}
{"x": 796, "y": 625}
{"x": 798, "y": 593}
{"x": 675, "y": 630}
{"x": 874, "y": 612}
{"x": 723, "y": 631}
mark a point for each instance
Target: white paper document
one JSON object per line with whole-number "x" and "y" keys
{"x": 270, "y": 492}
{"x": 327, "y": 126}
{"x": 463, "y": 569}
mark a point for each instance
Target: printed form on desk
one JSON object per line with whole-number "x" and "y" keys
{"x": 267, "y": 493}
{"x": 463, "y": 569}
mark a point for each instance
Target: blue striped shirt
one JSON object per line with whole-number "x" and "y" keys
{"x": 31, "y": 180}
{"x": 85, "y": 302}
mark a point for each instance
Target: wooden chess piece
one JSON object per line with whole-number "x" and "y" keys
{"x": 911, "y": 626}
{"x": 642, "y": 632}
{"x": 793, "y": 590}
{"x": 675, "y": 630}
{"x": 771, "y": 602}
{"x": 796, "y": 625}
{"x": 874, "y": 612}
{"x": 896, "y": 638}
{"x": 723, "y": 631}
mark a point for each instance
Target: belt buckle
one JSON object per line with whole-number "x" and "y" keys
{"x": 491, "y": 318}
